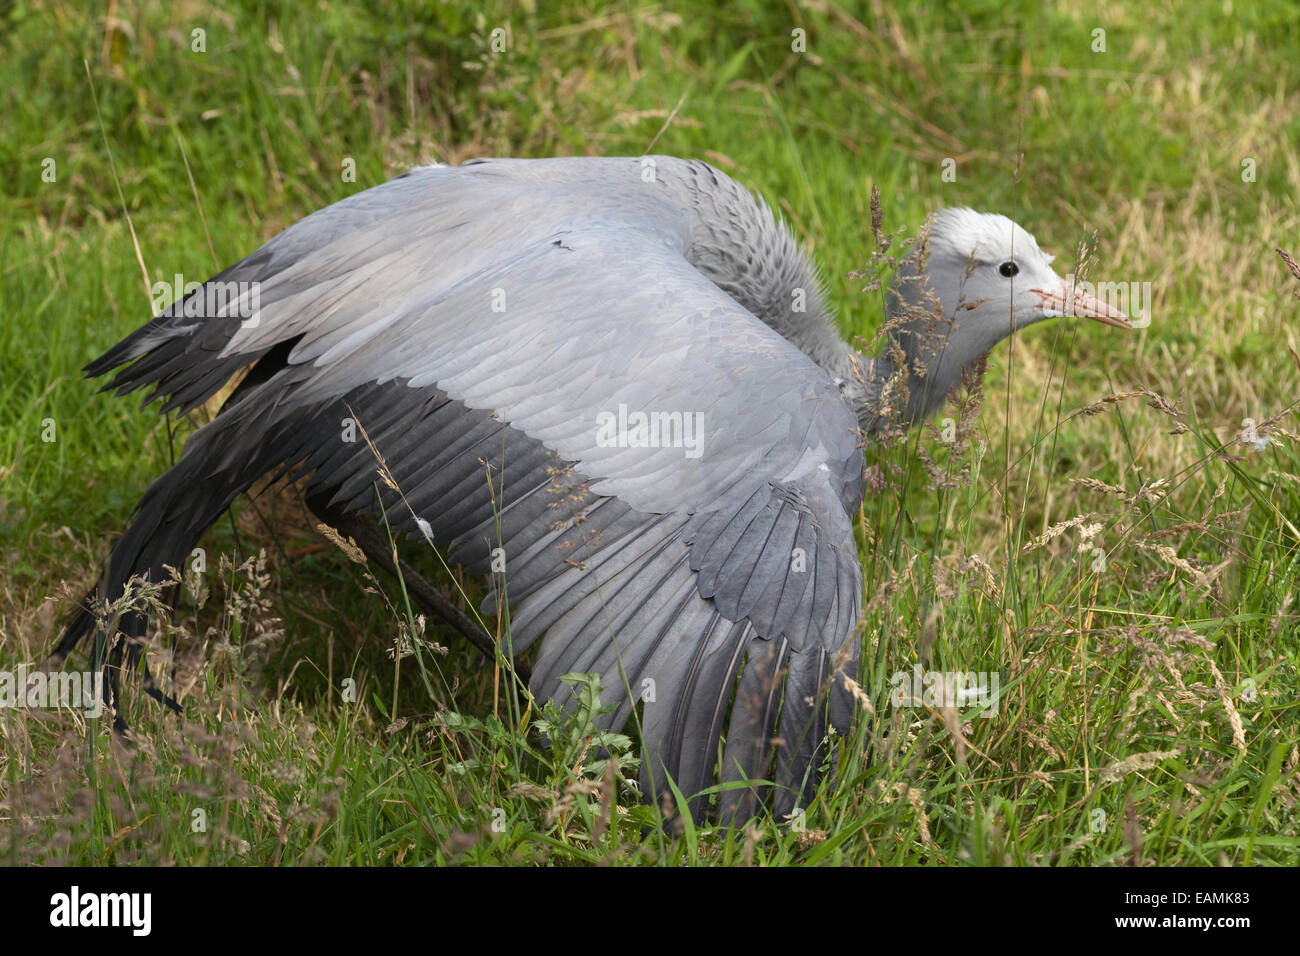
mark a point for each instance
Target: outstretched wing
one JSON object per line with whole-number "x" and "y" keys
{"x": 503, "y": 331}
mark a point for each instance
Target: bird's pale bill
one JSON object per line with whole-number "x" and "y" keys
{"x": 1069, "y": 301}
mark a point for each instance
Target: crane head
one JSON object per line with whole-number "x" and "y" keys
{"x": 974, "y": 279}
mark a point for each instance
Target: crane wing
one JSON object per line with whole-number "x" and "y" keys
{"x": 669, "y": 482}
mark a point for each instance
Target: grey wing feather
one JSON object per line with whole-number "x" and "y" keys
{"x": 480, "y": 327}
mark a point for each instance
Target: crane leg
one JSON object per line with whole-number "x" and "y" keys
{"x": 363, "y": 530}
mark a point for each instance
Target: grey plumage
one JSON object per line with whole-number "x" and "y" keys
{"x": 495, "y": 312}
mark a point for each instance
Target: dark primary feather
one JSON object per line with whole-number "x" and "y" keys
{"x": 478, "y": 319}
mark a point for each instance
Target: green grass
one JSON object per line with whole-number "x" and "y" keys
{"x": 1115, "y": 742}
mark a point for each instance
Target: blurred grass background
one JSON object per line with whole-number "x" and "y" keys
{"x": 208, "y": 154}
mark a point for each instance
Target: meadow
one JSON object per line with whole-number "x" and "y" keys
{"x": 1112, "y": 526}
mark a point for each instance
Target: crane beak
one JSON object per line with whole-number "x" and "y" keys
{"x": 1067, "y": 301}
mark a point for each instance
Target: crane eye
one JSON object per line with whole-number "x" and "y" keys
{"x": 1008, "y": 269}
